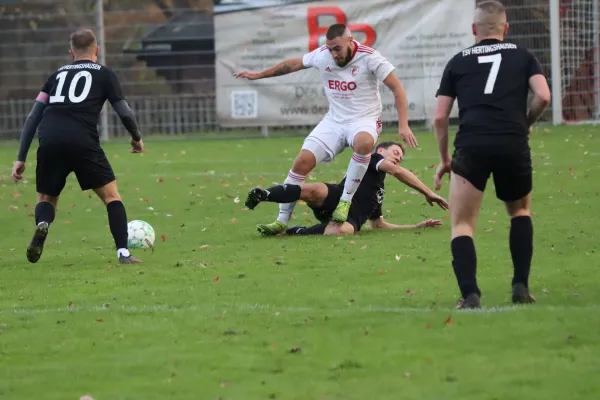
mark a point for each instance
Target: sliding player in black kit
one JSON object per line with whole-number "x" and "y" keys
{"x": 491, "y": 82}
{"x": 66, "y": 113}
{"x": 366, "y": 205}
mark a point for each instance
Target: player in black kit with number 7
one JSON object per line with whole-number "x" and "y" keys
{"x": 491, "y": 81}
{"x": 66, "y": 112}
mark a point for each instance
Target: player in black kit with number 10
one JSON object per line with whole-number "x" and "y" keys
{"x": 491, "y": 82}
{"x": 66, "y": 112}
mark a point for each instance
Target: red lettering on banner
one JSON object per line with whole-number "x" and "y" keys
{"x": 315, "y": 30}
{"x": 341, "y": 85}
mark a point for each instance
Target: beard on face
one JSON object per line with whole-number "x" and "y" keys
{"x": 347, "y": 59}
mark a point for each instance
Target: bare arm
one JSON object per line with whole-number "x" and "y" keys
{"x": 283, "y": 68}
{"x": 380, "y": 223}
{"x": 541, "y": 97}
{"x": 410, "y": 179}
{"x": 404, "y": 176}
{"x": 441, "y": 123}
{"x": 400, "y": 99}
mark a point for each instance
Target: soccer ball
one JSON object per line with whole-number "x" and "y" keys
{"x": 140, "y": 234}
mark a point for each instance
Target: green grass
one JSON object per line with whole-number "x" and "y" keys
{"x": 295, "y": 318}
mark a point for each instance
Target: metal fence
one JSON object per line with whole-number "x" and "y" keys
{"x": 163, "y": 52}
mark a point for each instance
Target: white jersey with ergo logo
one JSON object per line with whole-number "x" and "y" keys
{"x": 352, "y": 90}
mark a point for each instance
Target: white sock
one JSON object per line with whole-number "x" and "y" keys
{"x": 123, "y": 252}
{"x": 356, "y": 171}
{"x": 286, "y": 209}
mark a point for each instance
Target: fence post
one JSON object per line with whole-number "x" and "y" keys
{"x": 102, "y": 60}
{"x": 555, "y": 45}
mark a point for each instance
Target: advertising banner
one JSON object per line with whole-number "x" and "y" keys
{"x": 417, "y": 36}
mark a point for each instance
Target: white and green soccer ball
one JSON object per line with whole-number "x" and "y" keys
{"x": 140, "y": 234}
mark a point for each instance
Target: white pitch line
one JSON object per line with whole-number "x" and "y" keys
{"x": 276, "y": 310}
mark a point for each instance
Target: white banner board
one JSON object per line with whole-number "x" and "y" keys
{"x": 417, "y": 36}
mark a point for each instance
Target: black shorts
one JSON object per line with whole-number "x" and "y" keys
{"x": 511, "y": 170}
{"x": 325, "y": 211}
{"x": 57, "y": 160}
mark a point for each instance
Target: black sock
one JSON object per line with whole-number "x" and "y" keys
{"x": 44, "y": 212}
{"x": 284, "y": 193}
{"x": 521, "y": 248}
{"x": 318, "y": 229}
{"x": 464, "y": 262}
{"x": 117, "y": 220}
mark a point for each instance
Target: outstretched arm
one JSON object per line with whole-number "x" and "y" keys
{"x": 283, "y": 68}
{"x": 410, "y": 179}
{"x": 380, "y": 223}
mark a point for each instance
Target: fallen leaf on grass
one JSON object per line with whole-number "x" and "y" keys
{"x": 205, "y": 246}
{"x": 449, "y": 321}
{"x": 160, "y": 180}
{"x": 224, "y": 384}
{"x": 296, "y": 349}
{"x": 381, "y": 271}
{"x": 163, "y": 237}
{"x": 16, "y": 194}
{"x": 233, "y": 220}
{"x": 410, "y": 292}
{"x": 216, "y": 278}
{"x": 100, "y": 320}
{"x": 13, "y": 208}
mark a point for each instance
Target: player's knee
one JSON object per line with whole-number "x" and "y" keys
{"x": 304, "y": 163}
{"x": 339, "y": 229}
{"x": 363, "y": 143}
{"x": 48, "y": 199}
{"x": 519, "y": 208}
{"x": 462, "y": 229}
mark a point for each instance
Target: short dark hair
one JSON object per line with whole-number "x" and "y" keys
{"x": 335, "y": 30}
{"x": 388, "y": 144}
{"x": 82, "y": 40}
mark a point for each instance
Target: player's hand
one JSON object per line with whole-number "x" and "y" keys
{"x": 442, "y": 169}
{"x": 429, "y": 223}
{"x": 137, "y": 147}
{"x": 439, "y": 200}
{"x": 250, "y": 75}
{"x": 17, "y": 171}
{"x": 408, "y": 136}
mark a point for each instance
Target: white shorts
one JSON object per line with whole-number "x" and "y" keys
{"x": 329, "y": 138}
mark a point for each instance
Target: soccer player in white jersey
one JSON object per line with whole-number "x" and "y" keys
{"x": 350, "y": 73}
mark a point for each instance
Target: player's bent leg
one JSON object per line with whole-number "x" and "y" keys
{"x": 362, "y": 143}
{"x": 344, "y": 228}
{"x": 304, "y": 163}
{"x": 117, "y": 220}
{"x": 45, "y": 212}
{"x": 314, "y": 194}
{"x": 521, "y": 247}
{"x": 465, "y": 201}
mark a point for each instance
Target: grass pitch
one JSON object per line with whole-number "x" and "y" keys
{"x": 218, "y": 312}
